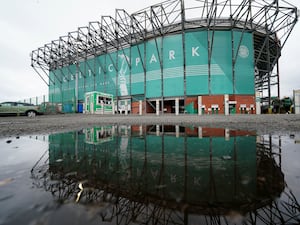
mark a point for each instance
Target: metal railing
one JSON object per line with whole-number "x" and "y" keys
{"x": 37, "y": 100}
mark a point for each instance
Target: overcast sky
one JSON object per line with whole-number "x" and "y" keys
{"x": 29, "y": 24}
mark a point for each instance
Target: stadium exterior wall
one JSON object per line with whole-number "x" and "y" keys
{"x": 165, "y": 68}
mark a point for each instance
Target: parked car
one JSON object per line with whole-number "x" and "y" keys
{"x": 19, "y": 108}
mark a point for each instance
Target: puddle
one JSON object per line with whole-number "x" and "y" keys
{"x": 150, "y": 175}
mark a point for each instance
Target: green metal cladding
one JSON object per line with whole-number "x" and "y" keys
{"x": 208, "y": 62}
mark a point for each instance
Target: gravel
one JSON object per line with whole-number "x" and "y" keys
{"x": 263, "y": 124}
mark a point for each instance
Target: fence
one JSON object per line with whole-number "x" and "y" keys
{"x": 38, "y": 100}
{"x": 49, "y": 106}
{"x": 46, "y": 106}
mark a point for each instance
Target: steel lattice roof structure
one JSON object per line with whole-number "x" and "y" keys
{"x": 271, "y": 22}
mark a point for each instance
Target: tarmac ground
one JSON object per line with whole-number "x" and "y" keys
{"x": 282, "y": 124}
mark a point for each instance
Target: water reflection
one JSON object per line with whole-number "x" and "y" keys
{"x": 169, "y": 175}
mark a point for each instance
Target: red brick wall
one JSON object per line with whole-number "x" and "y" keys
{"x": 192, "y": 100}
{"x": 208, "y": 101}
{"x": 213, "y": 132}
{"x": 216, "y": 132}
{"x": 135, "y": 107}
{"x": 234, "y": 133}
{"x": 191, "y": 131}
{"x": 135, "y": 129}
{"x": 247, "y": 100}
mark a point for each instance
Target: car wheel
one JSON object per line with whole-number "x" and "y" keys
{"x": 31, "y": 113}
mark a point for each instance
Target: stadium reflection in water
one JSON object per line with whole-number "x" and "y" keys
{"x": 169, "y": 175}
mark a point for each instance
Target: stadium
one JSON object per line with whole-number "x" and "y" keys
{"x": 198, "y": 57}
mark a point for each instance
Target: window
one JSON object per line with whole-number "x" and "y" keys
{"x": 104, "y": 100}
{"x": 100, "y": 99}
{"x": 108, "y": 101}
{"x": 6, "y": 104}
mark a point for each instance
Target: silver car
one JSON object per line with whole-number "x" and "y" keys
{"x": 19, "y": 108}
